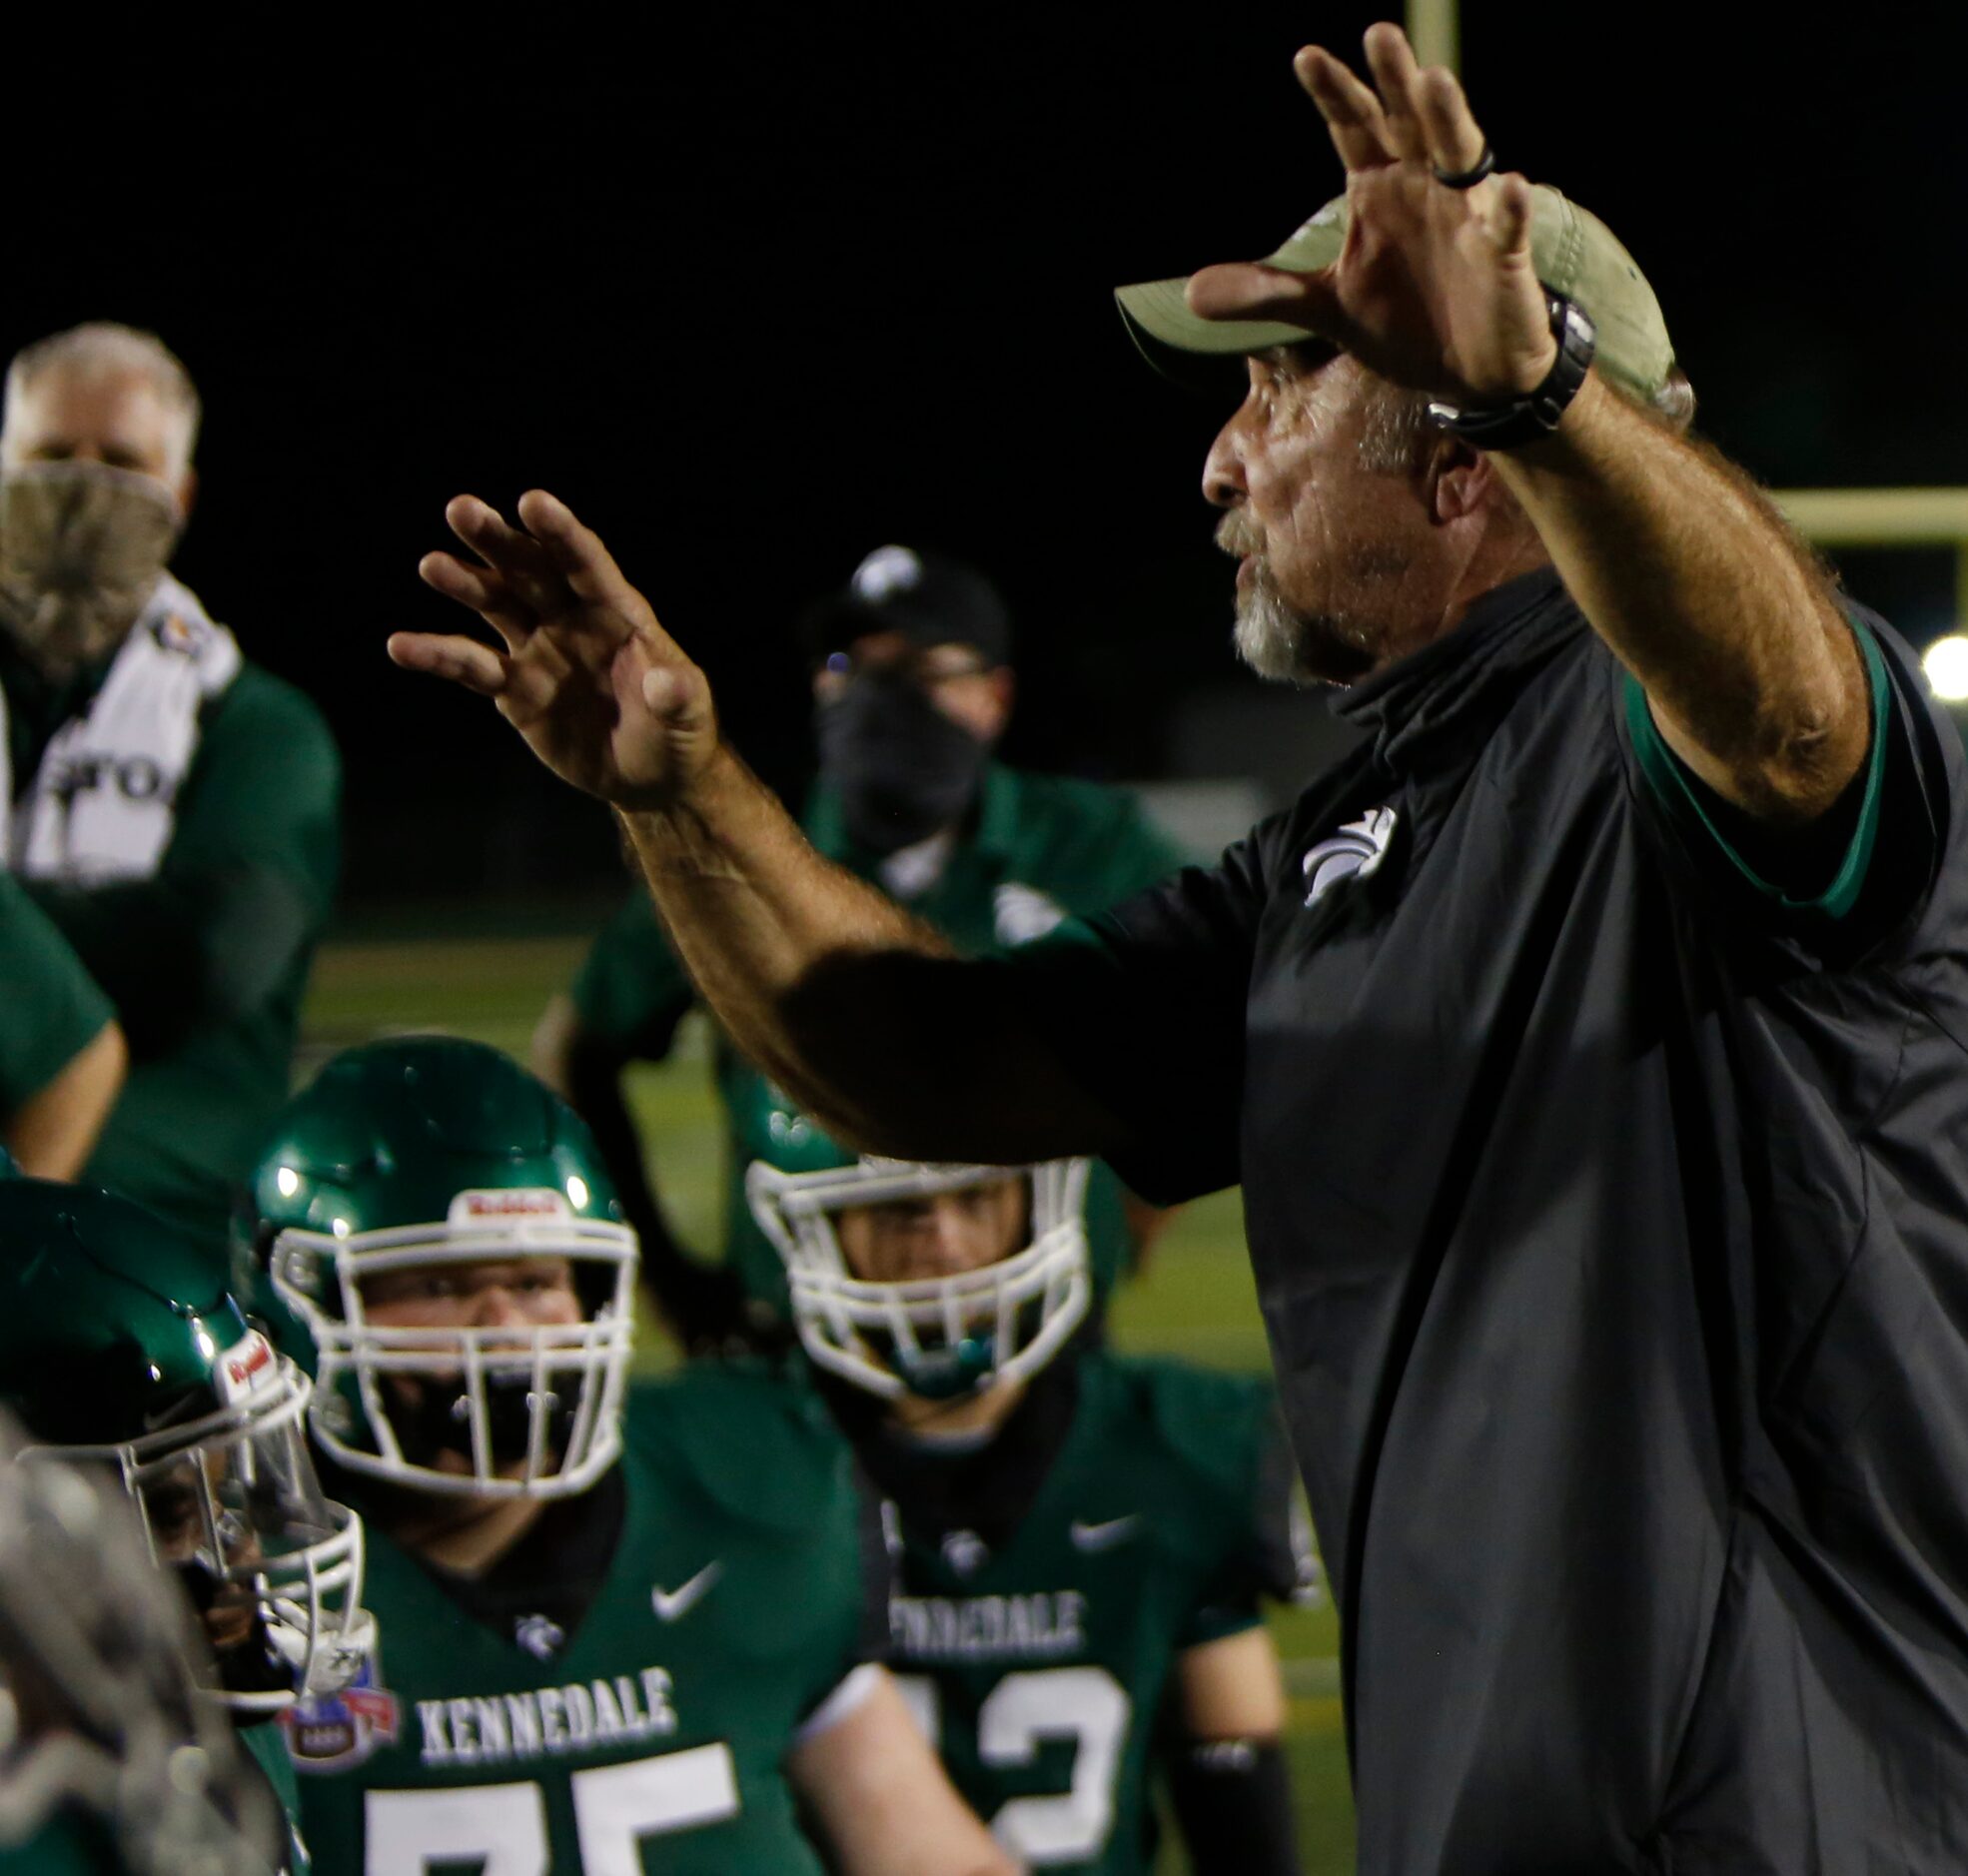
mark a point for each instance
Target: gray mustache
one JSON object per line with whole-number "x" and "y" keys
{"x": 1237, "y": 534}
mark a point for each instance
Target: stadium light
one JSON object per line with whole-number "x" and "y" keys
{"x": 1946, "y": 666}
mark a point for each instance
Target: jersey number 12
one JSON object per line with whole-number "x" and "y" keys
{"x": 1084, "y": 1704}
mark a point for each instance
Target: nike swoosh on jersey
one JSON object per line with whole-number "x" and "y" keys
{"x": 1103, "y": 1537}
{"x": 670, "y": 1603}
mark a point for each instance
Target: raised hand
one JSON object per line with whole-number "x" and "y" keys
{"x": 1435, "y": 287}
{"x": 600, "y": 690}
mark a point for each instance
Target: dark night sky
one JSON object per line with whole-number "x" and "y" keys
{"x": 758, "y": 294}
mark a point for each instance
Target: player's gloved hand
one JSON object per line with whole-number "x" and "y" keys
{"x": 602, "y": 693}
{"x": 1435, "y": 287}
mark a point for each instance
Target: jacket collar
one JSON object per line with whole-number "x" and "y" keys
{"x": 1465, "y": 682}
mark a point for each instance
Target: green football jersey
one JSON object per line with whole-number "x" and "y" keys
{"x": 68, "y": 1844}
{"x": 1038, "y": 1666}
{"x": 649, "y": 1732}
{"x": 265, "y": 1744}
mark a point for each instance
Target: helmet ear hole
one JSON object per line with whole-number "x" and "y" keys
{"x": 291, "y": 1265}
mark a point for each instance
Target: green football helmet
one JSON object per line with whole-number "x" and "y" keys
{"x": 404, "y": 1161}
{"x": 120, "y": 1345}
{"x": 940, "y": 1337}
{"x": 108, "y": 1752}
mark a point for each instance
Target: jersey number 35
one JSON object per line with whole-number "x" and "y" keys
{"x": 616, "y": 1807}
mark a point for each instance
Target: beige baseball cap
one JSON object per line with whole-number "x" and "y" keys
{"x": 1576, "y": 253}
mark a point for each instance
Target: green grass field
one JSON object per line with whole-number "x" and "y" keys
{"x": 1196, "y": 1299}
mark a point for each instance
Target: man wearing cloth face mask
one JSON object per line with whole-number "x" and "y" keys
{"x": 170, "y": 808}
{"x": 912, "y": 685}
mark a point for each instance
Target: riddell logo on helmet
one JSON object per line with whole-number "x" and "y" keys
{"x": 471, "y": 1208}
{"x": 243, "y": 1368}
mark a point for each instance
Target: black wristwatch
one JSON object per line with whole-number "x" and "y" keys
{"x": 1525, "y": 420}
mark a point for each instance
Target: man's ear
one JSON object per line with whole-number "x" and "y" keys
{"x": 187, "y": 496}
{"x": 1004, "y": 693}
{"x": 1459, "y": 479}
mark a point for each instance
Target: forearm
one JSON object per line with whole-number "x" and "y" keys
{"x": 752, "y": 909}
{"x": 598, "y": 1099}
{"x": 585, "y": 1071}
{"x": 858, "y": 1010}
{"x": 53, "y": 1132}
{"x": 1692, "y": 579}
{"x": 880, "y": 1799}
{"x": 1146, "y": 1223}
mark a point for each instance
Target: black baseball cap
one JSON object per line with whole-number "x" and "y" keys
{"x": 929, "y": 598}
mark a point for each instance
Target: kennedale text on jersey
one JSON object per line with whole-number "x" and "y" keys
{"x": 554, "y": 1721}
{"x": 1046, "y": 1624}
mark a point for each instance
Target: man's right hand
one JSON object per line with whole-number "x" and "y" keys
{"x": 600, "y": 690}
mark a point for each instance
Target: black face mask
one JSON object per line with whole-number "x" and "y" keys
{"x": 429, "y": 1418}
{"x": 902, "y": 769}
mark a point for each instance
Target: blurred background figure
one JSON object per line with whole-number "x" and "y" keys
{"x": 170, "y": 808}
{"x": 111, "y": 1762}
{"x": 1085, "y": 1541}
{"x": 912, "y": 688}
{"x": 62, "y": 1054}
{"x": 121, "y": 1349}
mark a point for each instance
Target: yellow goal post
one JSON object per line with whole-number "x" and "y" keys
{"x": 1885, "y": 517}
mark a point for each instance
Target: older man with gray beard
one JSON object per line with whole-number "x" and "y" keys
{"x": 168, "y": 807}
{"x": 1590, "y": 1042}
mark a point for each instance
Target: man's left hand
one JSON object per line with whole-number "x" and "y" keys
{"x": 1435, "y": 287}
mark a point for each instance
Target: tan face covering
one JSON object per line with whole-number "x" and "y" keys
{"x": 81, "y": 549}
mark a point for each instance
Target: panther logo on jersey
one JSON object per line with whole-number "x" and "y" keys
{"x": 1355, "y": 852}
{"x": 336, "y": 1731}
{"x": 540, "y": 1636}
{"x": 965, "y": 1551}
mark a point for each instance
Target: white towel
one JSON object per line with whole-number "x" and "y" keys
{"x": 103, "y": 804}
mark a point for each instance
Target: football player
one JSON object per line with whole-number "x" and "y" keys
{"x": 120, "y": 1346}
{"x": 110, "y": 1761}
{"x": 623, "y": 1626}
{"x": 1084, "y": 1539}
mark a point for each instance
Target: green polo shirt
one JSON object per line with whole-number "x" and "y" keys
{"x": 206, "y": 960}
{"x": 1042, "y": 847}
{"x": 54, "y": 1009}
